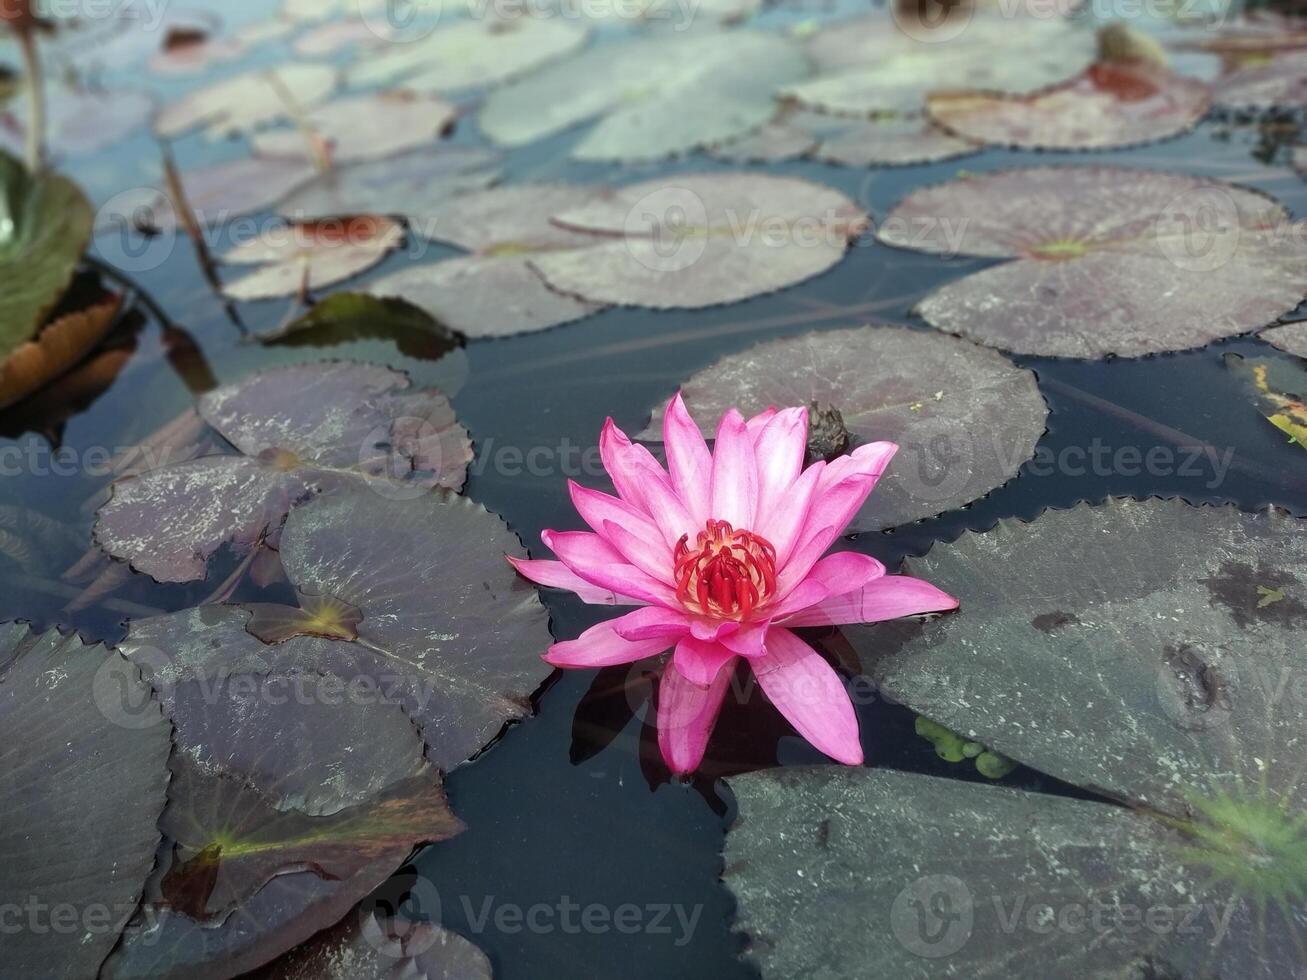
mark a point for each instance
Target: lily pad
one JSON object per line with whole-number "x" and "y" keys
{"x": 496, "y": 291}
{"x": 1280, "y": 83}
{"x": 410, "y": 597}
{"x": 885, "y": 141}
{"x": 249, "y": 101}
{"x": 472, "y": 54}
{"x": 1157, "y": 669}
{"x": 344, "y": 317}
{"x": 697, "y": 240}
{"x": 83, "y": 776}
{"x": 1108, "y": 106}
{"x": 1291, "y": 337}
{"x": 408, "y": 185}
{"x": 311, "y": 255}
{"x": 80, "y": 121}
{"x": 215, "y": 194}
{"x": 375, "y": 947}
{"x": 45, "y": 224}
{"x": 291, "y": 798}
{"x": 709, "y": 88}
{"x": 1108, "y": 260}
{"x": 965, "y": 418}
{"x": 297, "y": 430}
{"x": 868, "y": 65}
{"x": 364, "y": 127}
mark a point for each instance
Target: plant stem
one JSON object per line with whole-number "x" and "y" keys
{"x": 35, "y": 100}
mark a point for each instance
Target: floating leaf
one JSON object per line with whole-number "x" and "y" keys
{"x": 1278, "y": 385}
{"x": 299, "y": 429}
{"x": 880, "y": 142}
{"x": 1148, "y": 670}
{"x": 83, "y": 774}
{"x": 1291, "y": 337}
{"x": 701, "y": 239}
{"x": 1107, "y": 260}
{"x": 292, "y": 797}
{"x": 965, "y": 418}
{"x": 871, "y": 66}
{"x": 45, "y": 223}
{"x": 472, "y": 53}
{"x": 407, "y": 185}
{"x": 1107, "y": 106}
{"x": 1280, "y": 83}
{"x": 81, "y": 121}
{"x": 376, "y": 947}
{"x": 248, "y": 101}
{"x": 495, "y": 291}
{"x": 58, "y": 346}
{"x": 443, "y": 624}
{"x": 344, "y": 317}
{"x": 311, "y": 255}
{"x": 187, "y": 51}
{"x": 364, "y": 127}
{"x": 327, "y": 39}
{"x": 653, "y": 97}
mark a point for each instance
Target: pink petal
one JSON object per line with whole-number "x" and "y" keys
{"x": 641, "y": 482}
{"x": 782, "y": 525}
{"x": 556, "y": 575}
{"x": 734, "y": 473}
{"x": 843, "y": 488}
{"x": 600, "y": 646}
{"x": 639, "y": 542}
{"x": 688, "y": 459}
{"x": 700, "y": 662}
{"x": 756, "y": 424}
{"x": 711, "y": 630}
{"x": 686, "y": 716}
{"x": 652, "y": 622}
{"x": 808, "y": 692}
{"x": 599, "y": 563}
{"x": 833, "y": 575}
{"x": 780, "y": 447}
{"x": 748, "y": 640}
{"x": 880, "y": 599}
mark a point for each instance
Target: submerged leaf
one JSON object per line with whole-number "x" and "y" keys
{"x": 653, "y": 97}
{"x": 301, "y": 429}
{"x": 443, "y": 623}
{"x": 1108, "y": 106}
{"x": 83, "y": 773}
{"x": 344, "y": 317}
{"x": 58, "y": 346}
{"x": 965, "y": 418}
{"x": 1107, "y": 260}
{"x": 305, "y": 256}
{"x": 45, "y": 224}
{"x": 1278, "y": 387}
{"x": 364, "y": 127}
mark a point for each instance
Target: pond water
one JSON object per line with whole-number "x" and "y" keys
{"x": 573, "y": 804}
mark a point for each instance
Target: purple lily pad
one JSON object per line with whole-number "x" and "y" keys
{"x": 1106, "y": 107}
{"x": 249, "y": 101}
{"x": 1107, "y": 260}
{"x": 1291, "y": 337}
{"x": 1154, "y": 670}
{"x": 83, "y": 776}
{"x": 364, "y": 127}
{"x": 296, "y": 430}
{"x": 275, "y": 776}
{"x": 1280, "y": 83}
{"x": 80, "y": 122}
{"x": 965, "y": 417}
{"x": 411, "y": 598}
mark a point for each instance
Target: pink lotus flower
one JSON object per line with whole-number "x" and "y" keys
{"x": 725, "y": 556}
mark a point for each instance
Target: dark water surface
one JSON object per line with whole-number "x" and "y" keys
{"x": 571, "y": 808}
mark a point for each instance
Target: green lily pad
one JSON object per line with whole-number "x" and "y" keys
{"x": 1104, "y": 260}
{"x": 346, "y": 317}
{"x": 45, "y": 224}
{"x": 652, "y": 97}
{"x": 1158, "y": 668}
{"x": 83, "y": 774}
{"x": 410, "y": 597}
{"x": 296, "y": 430}
{"x": 965, "y": 418}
